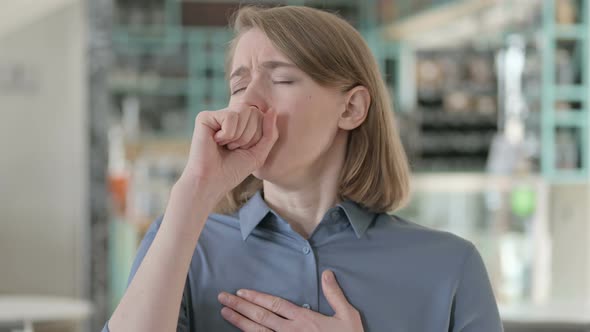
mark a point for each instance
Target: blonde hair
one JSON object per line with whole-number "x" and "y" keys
{"x": 375, "y": 173}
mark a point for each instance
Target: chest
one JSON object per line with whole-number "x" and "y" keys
{"x": 390, "y": 293}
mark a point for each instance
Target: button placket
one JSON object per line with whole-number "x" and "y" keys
{"x": 306, "y": 250}
{"x": 309, "y": 296}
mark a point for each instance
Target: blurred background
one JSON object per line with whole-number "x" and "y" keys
{"x": 98, "y": 99}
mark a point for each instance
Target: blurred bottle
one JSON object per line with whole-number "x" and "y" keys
{"x": 130, "y": 110}
{"x": 117, "y": 172}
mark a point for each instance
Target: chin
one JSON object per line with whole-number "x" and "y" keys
{"x": 273, "y": 172}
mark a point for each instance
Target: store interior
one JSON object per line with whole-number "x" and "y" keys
{"x": 98, "y": 100}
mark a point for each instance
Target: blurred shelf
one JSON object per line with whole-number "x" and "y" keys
{"x": 548, "y": 313}
{"x": 571, "y": 118}
{"x": 432, "y": 15}
{"x": 554, "y": 91}
{"x": 42, "y": 308}
{"x": 457, "y": 119}
{"x": 570, "y": 93}
{"x": 448, "y": 182}
{"x": 150, "y": 85}
{"x": 157, "y": 146}
{"x": 147, "y": 39}
{"x": 569, "y": 176}
{"x": 451, "y": 141}
{"x": 271, "y": 2}
{"x": 574, "y": 31}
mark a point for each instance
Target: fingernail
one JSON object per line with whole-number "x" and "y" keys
{"x": 328, "y": 276}
{"x": 222, "y": 297}
{"x": 241, "y": 292}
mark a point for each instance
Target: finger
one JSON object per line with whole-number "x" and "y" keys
{"x": 229, "y": 126}
{"x": 209, "y": 119}
{"x": 257, "y": 133}
{"x": 243, "y": 122}
{"x": 252, "y": 311}
{"x": 249, "y": 131}
{"x": 275, "y": 304}
{"x": 270, "y": 134}
{"x": 334, "y": 294}
{"x": 242, "y": 322}
{"x": 256, "y": 155}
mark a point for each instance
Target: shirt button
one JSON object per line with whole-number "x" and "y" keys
{"x": 306, "y": 250}
{"x": 306, "y": 306}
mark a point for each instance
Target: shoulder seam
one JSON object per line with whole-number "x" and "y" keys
{"x": 472, "y": 251}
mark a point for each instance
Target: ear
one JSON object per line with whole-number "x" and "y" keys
{"x": 357, "y": 102}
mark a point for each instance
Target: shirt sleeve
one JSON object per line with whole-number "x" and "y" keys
{"x": 474, "y": 305}
{"x": 184, "y": 314}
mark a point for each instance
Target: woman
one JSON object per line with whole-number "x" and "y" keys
{"x": 288, "y": 188}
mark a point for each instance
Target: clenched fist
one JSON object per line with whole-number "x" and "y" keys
{"x": 228, "y": 145}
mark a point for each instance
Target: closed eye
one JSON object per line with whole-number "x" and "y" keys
{"x": 238, "y": 90}
{"x": 275, "y": 82}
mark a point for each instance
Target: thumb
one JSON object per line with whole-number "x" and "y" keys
{"x": 270, "y": 134}
{"x": 334, "y": 294}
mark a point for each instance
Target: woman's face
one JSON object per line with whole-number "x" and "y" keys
{"x": 308, "y": 113}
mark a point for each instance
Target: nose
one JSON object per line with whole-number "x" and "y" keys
{"x": 255, "y": 95}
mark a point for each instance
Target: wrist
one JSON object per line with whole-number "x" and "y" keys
{"x": 195, "y": 190}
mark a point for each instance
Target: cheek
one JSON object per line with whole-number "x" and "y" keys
{"x": 305, "y": 128}
{"x": 296, "y": 118}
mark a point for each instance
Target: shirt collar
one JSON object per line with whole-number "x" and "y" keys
{"x": 256, "y": 209}
{"x": 359, "y": 217}
{"x": 252, "y": 213}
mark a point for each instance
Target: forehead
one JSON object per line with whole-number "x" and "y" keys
{"x": 254, "y": 45}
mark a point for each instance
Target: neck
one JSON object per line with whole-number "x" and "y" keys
{"x": 310, "y": 193}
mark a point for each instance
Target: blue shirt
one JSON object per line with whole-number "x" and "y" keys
{"x": 400, "y": 276}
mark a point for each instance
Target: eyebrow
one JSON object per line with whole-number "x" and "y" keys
{"x": 271, "y": 65}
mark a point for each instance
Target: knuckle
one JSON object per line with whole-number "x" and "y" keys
{"x": 201, "y": 115}
{"x": 231, "y": 315}
{"x": 236, "y": 319}
{"x": 233, "y": 302}
{"x": 261, "y": 316}
{"x": 243, "y": 140}
{"x": 275, "y": 306}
